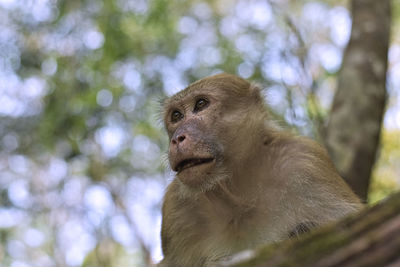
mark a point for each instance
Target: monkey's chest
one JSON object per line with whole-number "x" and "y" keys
{"x": 209, "y": 235}
{"x": 229, "y": 234}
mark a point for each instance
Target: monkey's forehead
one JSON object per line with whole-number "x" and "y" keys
{"x": 212, "y": 84}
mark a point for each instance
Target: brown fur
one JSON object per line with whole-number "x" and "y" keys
{"x": 262, "y": 184}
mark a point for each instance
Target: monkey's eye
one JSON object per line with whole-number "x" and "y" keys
{"x": 200, "y": 104}
{"x": 176, "y": 116}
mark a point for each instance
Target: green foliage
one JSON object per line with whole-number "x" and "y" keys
{"x": 385, "y": 179}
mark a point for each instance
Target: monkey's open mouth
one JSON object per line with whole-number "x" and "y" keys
{"x": 188, "y": 163}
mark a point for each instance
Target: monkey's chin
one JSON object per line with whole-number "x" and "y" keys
{"x": 197, "y": 176}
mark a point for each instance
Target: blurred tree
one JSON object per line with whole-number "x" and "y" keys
{"x": 353, "y": 131}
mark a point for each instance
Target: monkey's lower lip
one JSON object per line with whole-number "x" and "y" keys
{"x": 188, "y": 163}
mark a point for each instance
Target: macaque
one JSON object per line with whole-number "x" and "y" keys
{"x": 240, "y": 181}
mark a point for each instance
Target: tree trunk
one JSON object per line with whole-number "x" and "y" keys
{"x": 353, "y": 131}
{"x": 370, "y": 238}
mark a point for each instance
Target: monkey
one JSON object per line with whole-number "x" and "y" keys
{"x": 240, "y": 181}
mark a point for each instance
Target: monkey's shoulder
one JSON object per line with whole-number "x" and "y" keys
{"x": 300, "y": 163}
{"x": 288, "y": 152}
{"x": 297, "y": 145}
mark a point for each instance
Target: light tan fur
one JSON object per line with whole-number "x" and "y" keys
{"x": 261, "y": 185}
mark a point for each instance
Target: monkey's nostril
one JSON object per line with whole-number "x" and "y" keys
{"x": 178, "y": 139}
{"x": 181, "y": 138}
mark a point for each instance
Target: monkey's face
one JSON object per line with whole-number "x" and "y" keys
{"x": 209, "y": 125}
{"x": 194, "y": 150}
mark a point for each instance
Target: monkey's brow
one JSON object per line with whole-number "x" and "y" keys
{"x": 180, "y": 97}
{"x": 190, "y": 92}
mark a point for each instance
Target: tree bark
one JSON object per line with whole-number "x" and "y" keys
{"x": 370, "y": 238}
{"x": 353, "y": 130}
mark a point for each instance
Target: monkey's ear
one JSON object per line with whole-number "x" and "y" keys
{"x": 255, "y": 92}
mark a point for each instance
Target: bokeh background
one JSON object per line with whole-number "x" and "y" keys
{"x": 83, "y": 164}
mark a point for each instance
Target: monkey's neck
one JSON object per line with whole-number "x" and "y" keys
{"x": 243, "y": 184}
{"x": 239, "y": 190}
{"x": 226, "y": 200}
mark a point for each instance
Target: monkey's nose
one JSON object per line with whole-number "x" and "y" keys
{"x": 178, "y": 139}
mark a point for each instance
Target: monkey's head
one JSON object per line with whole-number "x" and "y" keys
{"x": 212, "y": 125}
